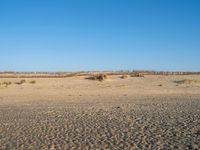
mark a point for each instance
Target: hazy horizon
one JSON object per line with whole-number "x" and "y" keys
{"x": 131, "y": 70}
{"x": 66, "y": 36}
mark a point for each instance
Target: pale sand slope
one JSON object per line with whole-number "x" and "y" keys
{"x": 76, "y": 113}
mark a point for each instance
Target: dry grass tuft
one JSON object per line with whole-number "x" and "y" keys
{"x": 32, "y": 82}
{"x": 5, "y": 84}
{"x": 21, "y": 82}
{"x": 124, "y": 76}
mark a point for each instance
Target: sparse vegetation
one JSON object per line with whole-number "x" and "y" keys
{"x": 137, "y": 75}
{"x": 99, "y": 77}
{"x": 187, "y": 81}
{"x": 21, "y": 82}
{"x": 32, "y": 82}
{"x": 124, "y": 76}
{"x": 5, "y": 84}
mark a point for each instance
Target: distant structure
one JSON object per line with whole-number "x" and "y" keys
{"x": 88, "y": 73}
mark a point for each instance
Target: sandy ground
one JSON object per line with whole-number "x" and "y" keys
{"x": 76, "y": 113}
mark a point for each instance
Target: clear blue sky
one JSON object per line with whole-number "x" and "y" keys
{"x": 76, "y": 35}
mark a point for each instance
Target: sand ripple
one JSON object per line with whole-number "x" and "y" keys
{"x": 146, "y": 123}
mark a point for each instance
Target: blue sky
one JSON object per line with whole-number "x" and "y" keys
{"x": 76, "y": 35}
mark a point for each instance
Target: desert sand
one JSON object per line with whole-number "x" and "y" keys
{"x": 154, "y": 112}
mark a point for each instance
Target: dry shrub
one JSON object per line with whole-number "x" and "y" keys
{"x": 187, "y": 81}
{"x": 137, "y": 75}
{"x": 23, "y": 81}
{"x": 20, "y": 82}
{"x": 124, "y": 76}
{"x": 5, "y": 84}
{"x": 32, "y": 82}
{"x": 99, "y": 77}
